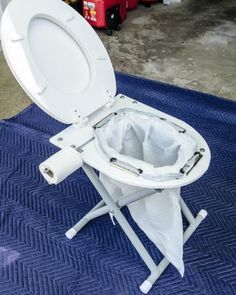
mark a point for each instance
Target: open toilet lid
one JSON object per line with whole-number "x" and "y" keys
{"x": 57, "y": 58}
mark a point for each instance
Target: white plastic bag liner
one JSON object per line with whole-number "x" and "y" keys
{"x": 158, "y": 215}
{"x": 156, "y": 147}
{"x": 147, "y": 143}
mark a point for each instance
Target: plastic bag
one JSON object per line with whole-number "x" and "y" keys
{"x": 156, "y": 146}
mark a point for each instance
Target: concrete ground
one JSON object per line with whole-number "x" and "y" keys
{"x": 192, "y": 44}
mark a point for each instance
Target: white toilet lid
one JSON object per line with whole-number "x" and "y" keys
{"x": 57, "y": 58}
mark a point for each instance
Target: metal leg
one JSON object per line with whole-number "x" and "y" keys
{"x": 102, "y": 209}
{"x": 187, "y": 213}
{"x": 120, "y": 217}
{"x": 109, "y": 205}
{"x": 79, "y": 225}
{"x": 148, "y": 283}
{"x": 99, "y": 205}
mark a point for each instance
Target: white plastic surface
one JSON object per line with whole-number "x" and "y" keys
{"x": 60, "y": 165}
{"x": 57, "y": 58}
{"x": 145, "y": 287}
{"x": 79, "y": 136}
{"x": 71, "y": 233}
{"x": 203, "y": 213}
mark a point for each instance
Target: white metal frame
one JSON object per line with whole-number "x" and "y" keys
{"x": 108, "y": 205}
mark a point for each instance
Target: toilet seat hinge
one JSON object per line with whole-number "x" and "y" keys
{"x": 110, "y": 101}
{"x": 82, "y": 122}
{"x": 109, "y": 104}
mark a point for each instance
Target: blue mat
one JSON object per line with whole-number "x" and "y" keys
{"x": 35, "y": 256}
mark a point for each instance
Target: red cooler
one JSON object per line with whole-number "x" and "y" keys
{"x": 106, "y": 14}
{"x": 132, "y": 4}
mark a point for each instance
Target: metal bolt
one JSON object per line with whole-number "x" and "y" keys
{"x": 122, "y": 96}
{"x": 202, "y": 150}
{"x": 60, "y": 139}
{"x": 79, "y": 150}
{"x": 73, "y": 146}
{"x": 134, "y": 101}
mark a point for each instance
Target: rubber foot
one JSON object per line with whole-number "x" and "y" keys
{"x": 71, "y": 233}
{"x": 145, "y": 287}
{"x": 203, "y": 213}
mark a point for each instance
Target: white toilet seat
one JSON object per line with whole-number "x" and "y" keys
{"x": 145, "y": 144}
{"x": 63, "y": 66}
{"x": 57, "y": 58}
{"x": 83, "y": 138}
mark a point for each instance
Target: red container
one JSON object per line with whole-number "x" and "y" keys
{"x": 123, "y": 10}
{"x": 106, "y": 14}
{"x": 132, "y": 4}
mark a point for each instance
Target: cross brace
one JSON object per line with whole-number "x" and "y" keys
{"x": 108, "y": 205}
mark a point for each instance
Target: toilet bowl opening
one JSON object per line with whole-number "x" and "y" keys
{"x": 142, "y": 140}
{"x": 145, "y": 142}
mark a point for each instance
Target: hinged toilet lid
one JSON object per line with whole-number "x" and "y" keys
{"x": 57, "y": 58}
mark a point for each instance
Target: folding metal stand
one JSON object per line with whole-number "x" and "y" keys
{"x": 108, "y": 205}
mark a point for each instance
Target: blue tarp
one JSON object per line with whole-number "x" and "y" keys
{"x": 35, "y": 256}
